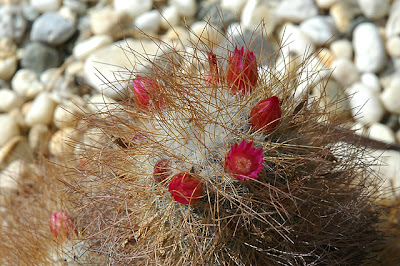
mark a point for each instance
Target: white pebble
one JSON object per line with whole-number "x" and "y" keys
{"x": 235, "y": 6}
{"x": 325, "y": 4}
{"x": 46, "y": 5}
{"x": 382, "y": 133}
{"x": 8, "y": 66}
{"x": 115, "y": 64}
{"x": 133, "y": 7}
{"x": 38, "y": 138}
{"x": 365, "y": 104}
{"x": 60, "y": 144}
{"x": 186, "y": 8}
{"x": 371, "y": 81}
{"x": 296, "y": 10}
{"x": 9, "y": 100}
{"x": 374, "y": 9}
{"x": 66, "y": 115}
{"x": 11, "y": 175}
{"x": 256, "y": 12}
{"x": 342, "y": 49}
{"x": 388, "y": 169}
{"x": 41, "y": 111}
{"x": 8, "y": 128}
{"x": 107, "y": 21}
{"x": 344, "y": 71}
{"x": 391, "y": 96}
{"x": 26, "y": 83}
{"x": 392, "y": 27}
{"x": 393, "y": 46}
{"x": 296, "y": 41}
{"x": 148, "y": 22}
{"x": 321, "y": 29}
{"x": 170, "y": 17}
{"x": 369, "y": 50}
{"x": 83, "y": 49}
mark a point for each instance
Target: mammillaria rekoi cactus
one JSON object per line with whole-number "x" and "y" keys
{"x": 256, "y": 193}
{"x": 212, "y": 160}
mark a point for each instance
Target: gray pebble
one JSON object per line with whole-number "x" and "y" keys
{"x": 12, "y": 23}
{"x": 30, "y": 13}
{"x": 52, "y": 29}
{"x": 39, "y": 57}
{"x": 215, "y": 15}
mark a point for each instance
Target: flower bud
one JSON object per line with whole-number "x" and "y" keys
{"x": 244, "y": 161}
{"x": 185, "y": 188}
{"x": 266, "y": 114}
{"x": 242, "y": 71}
{"x": 144, "y": 91}
{"x": 162, "y": 170}
{"x": 62, "y": 226}
{"x": 213, "y": 75}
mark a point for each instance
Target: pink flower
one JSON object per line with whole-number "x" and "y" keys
{"x": 62, "y": 226}
{"x": 244, "y": 161}
{"x": 162, "y": 170}
{"x": 266, "y": 114}
{"x": 185, "y": 188}
{"x": 213, "y": 75}
{"x": 145, "y": 93}
{"x": 242, "y": 71}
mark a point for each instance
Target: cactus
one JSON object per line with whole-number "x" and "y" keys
{"x": 186, "y": 173}
{"x": 213, "y": 159}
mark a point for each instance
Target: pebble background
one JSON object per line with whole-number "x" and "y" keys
{"x": 48, "y": 48}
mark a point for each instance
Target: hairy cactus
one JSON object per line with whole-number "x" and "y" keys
{"x": 212, "y": 160}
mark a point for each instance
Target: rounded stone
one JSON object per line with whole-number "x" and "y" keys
{"x": 12, "y": 23}
{"x": 382, "y": 133}
{"x": 52, "y": 28}
{"x": 392, "y": 27}
{"x": 133, "y": 8}
{"x": 46, "y": 5}
{"x": 342, "y": 13}
{"x": 8, "y": 66}
{"x": 369, "y": 50}
{"x": 170, "y": 17}
{"x": 296, "y": 41}
{"x": 40, "y": 57}
{"x": 8, "y": 129}
{"x": 83, "y": 49}
{"x": 255, "y": 12}
{"x": 26, "y": 83}
{"x": 296, "y": 11}
{"x": 115, "y": 65}
{"x": 11, "y": 176}
{"x": 374, "y": 9}
{"x": 365, "y": 104}
{"x": 61, "y": 143}
{"x": 148, "y": 22}
{"x": 321, "y": 29}
{"x": 38, "y": 137}
{"x": 391, "y": 96}
{"x": 342, "y": 49}
{"x": 186, "y": 8}
{"x": 107, "y": 21}
{"x": 344, "y": 71}
{"x": 41, "y": 111}
{"x": 371, "y": 80}
{"x": 67, "y": 115}
{"x": 9, "y": 100}
{"x": 393, "y": 46}
{"x": 235, "y": 6}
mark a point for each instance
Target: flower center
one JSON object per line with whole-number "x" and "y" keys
{"x": 243, "y": 164}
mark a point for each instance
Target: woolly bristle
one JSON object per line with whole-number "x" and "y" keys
{"x": 313, "y": 201}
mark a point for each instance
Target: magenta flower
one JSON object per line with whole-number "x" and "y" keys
{"x": 242, "y": 71}
{"x": 185, "y": 188}
{"x": 244, "y": 161}
{"x": 144, "y": 91}
{"x": 162, "y": 170}
{"x": 213, "y": 75}
{"x": 266, "y": 114}
{"x": 62, "y": 226}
